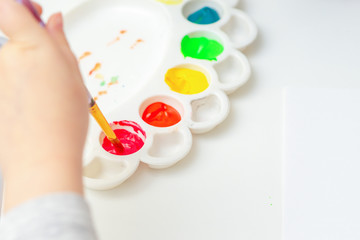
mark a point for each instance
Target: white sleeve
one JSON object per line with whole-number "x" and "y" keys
{"x": 61, "y": 216}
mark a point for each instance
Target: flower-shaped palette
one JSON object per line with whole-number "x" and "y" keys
{"x": 160, "y": 71}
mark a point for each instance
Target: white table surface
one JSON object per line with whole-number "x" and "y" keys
{"x": 230, "y": 185}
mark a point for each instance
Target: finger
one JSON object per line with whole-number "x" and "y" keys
{"x": 37, "y": 7}
{"x": 56, "y": 30}
{"x": 18, "y": 23}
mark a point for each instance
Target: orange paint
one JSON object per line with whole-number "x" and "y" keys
{"x": 84, "y": 55}
{"x": 136, "y": 43}
{"x": 102, "y": 93}
{"x": 95, "y": 68}
{"x": 160, "y": 114}
{"x": 114, "y": 41}
{"x": 123, "y": 31}
{"x": 112, "y": 83}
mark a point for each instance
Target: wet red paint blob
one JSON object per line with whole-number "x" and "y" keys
{"x": 161, "y": 115}
{"x": 131, "y": 136}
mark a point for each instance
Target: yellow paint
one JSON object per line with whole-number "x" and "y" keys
{"x": 170, "y": 2}
{"x": 186, "y": 81}
{"x": 99, "y": 76}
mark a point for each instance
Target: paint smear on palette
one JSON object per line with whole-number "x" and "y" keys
{"x": 102, "y": 93}
{"x": 201, "y": 48}
{"x": 205, "y": 15}
{"x": 99, "y": 76}
{"x": 160, "y": 114}
{"x": 186, "y": 81}
{"x": 84, "y": 55}
{"x": 95, "y": 68}
{"x": 170, "y": 2}
{"x": 117, "y": 38}
{"x": 136, "y": 43}
{"x": 114, "y": 80}
{"x": 113, "y": 41}
{"x": 131, "y": 136}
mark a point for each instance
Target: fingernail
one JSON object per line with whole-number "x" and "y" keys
{"x": 59, "y": 19}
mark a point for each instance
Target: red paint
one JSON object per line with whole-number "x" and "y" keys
{"x": 132, "y": 140}
{"x": 161, "y": 115}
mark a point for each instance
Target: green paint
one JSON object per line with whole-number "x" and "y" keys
{"x": 102, "y": 83}
{"x": 201, "y": 48}
{"x": 114, "y": 79}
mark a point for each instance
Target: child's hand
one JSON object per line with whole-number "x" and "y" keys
{"x": 43, "y": 107}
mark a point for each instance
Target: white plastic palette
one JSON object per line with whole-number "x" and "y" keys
{"x": 137, "y": 42}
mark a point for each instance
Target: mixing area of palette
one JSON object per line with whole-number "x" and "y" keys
{"x": 95, "y": 72}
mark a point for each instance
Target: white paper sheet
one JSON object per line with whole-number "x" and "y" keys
{"x": 322, "y": 164}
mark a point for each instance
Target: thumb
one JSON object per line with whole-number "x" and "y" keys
{"x": 18, "y": 23}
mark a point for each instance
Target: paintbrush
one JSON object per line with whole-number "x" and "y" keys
{"x": 103, "y": 123}
{"x": 93, "y": 107}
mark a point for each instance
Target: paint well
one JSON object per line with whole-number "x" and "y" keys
{"x": 102, "y": 169}
{"x": 186, "y": 81}
{"x": 205, "y": 109}
{"x": 205, "y": 15}
{"x": 159, "y": 114}
{"x": 167, "y": 144}
{"x": 201, "y": 48}
{"x": 131, "y": 136}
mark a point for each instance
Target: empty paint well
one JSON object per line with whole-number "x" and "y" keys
{"x": 187, "y": 79}
{"x": 100, "y": 168}
{"x": 161, "y": 111}
{"x": 202, "y": 12}
{"x": 233, "y": 72}
{"x": 240, "y": 30}
{"x": 205, "y": 109}
{"x": 166, "y": 145}
{"x": 130, "y": 134}
{"x": 202, "y": 45}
